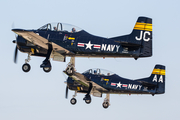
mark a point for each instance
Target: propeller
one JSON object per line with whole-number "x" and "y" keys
{"x": 16, "y": 50}
{"x": 66, "y": 92}
{"x": 15, "y": 54}
{"x": 66, "y": 77}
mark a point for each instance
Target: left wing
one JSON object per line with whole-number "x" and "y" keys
{"x": 83, "y": 80}
{"x": 40, "y": 41}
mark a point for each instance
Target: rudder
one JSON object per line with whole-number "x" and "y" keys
{"x": 141, "y": 36}
{"x": 158, "y": 77}
{"x": 143, "y": 32}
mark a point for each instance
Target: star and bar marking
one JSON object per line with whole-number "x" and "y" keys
{"x": 103, "y": 47}
{"x": 89, "y": 45}
{"x": 128, "y": 86}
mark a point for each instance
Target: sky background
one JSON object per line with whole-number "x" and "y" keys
{"x": 37, "y": 95}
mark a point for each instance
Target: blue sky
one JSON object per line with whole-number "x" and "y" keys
{"x": 38, "y": 95}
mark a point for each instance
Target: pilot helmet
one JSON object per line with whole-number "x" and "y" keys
{"x": 55, "y": 28}
{"x": 73, "y": 30}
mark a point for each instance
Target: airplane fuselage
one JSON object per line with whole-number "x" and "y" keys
{"x": 113, "y": 85}
{"x": 83, "y": 44}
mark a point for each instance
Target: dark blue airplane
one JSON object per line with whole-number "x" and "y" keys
{"x": 58, "y": 40}
{"x": 98, "y": 81}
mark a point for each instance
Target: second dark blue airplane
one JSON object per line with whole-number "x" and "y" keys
{"x": 58, "y": 40}
{"x": 98, "y": 81}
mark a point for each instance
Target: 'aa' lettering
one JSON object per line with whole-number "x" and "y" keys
{"x": 155, "y": 78}
{"x": 160, "y": 79}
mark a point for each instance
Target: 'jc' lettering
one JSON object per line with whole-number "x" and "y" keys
{"x": 143, "y": 36}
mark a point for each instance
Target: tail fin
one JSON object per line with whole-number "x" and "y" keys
{"x": 140, "y": 36}
{"x": 143, "y": 32}
{"x": 158, "y": 76}
{"x": 156, "y": 79}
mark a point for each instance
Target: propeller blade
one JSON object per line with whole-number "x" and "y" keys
{"x": 66, "y": 92}
{"x": 15, "y": 55}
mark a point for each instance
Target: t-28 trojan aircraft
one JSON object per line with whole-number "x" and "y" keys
{"x": 98, "y": 81}
{"x": 58, "y": 40}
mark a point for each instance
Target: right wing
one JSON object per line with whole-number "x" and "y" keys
{"x": 83, "y": 80}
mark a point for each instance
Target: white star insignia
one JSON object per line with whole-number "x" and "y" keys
{"x": 89, "y": 45}
{"x": 119, "y": 85}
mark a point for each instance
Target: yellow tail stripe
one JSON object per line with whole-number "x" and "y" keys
{"x": 162, "y": 72}
{"x": 159, "y": 72}
{"x": 143, "y": 26}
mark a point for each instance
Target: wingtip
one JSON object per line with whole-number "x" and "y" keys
{"x": 18, "y": 29}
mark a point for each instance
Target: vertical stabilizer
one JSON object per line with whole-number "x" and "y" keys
{"x": 140, "y": 36}
{"x": 158, "y": 76}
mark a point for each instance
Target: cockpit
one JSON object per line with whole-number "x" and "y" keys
{"x": 97, "y": 71}
{"x": 60, "y": 27}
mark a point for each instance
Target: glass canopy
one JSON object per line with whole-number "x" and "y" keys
{"x": 97, "y": 71}
{"x": 60, "y": 27}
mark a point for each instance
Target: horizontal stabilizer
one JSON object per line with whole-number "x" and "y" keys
{"x": 127, "y": 44}
{"x": 145, "y": 83}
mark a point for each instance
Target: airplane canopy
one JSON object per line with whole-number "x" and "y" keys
{"x": 60, "y": 27}
{"x": 98, "y": 71}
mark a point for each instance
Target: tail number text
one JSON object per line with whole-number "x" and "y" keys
{"x": 143, "y": 36}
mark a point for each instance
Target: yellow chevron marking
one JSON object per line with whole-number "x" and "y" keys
{"x": 32, "y": 50}
{"x": 159, "y": 72}
{"x": 106, "y": 79}
{"x": 78, "y": 88}
{"x": 143, "y": 26}
{"x": 71, "y": 38}
{"x": 106, "y": 82}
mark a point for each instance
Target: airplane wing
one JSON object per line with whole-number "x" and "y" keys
{"x": 40, "y": 41}
{"x": 83, "y": 80}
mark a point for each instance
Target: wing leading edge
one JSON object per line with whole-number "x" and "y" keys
{"x": 83, "y": 80}
{"x": 40, "y": 41}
